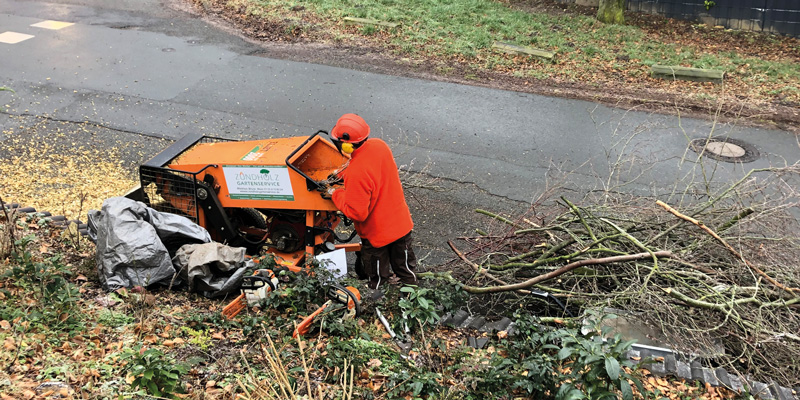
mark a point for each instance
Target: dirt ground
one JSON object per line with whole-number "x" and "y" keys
{"x": 369, "y": 54}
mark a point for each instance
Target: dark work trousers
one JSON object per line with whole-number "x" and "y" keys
{"x": 378, "y": 263}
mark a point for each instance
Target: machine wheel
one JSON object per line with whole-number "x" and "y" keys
{"x": 248, "y": 217}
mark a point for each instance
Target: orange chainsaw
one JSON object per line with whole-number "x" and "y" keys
{"x": 340, "y": 298}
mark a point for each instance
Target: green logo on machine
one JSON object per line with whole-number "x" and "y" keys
{"x": 252, "y": 155}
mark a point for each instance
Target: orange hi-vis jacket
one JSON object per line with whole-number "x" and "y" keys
{"x": 373, "y": 195}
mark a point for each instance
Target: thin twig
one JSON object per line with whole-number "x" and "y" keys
{"x": 727, "y": 246}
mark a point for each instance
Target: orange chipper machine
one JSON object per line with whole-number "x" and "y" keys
{"x": 259, "y": 194}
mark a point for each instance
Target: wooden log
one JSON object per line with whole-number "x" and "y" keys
{"x": 366, "y": 21}
{"x": 686, "y": 73}
{"x": 530, "y": 51}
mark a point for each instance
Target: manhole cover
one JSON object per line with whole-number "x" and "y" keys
{"x": 725, "y": 149}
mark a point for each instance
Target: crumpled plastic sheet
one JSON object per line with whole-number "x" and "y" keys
{"x": 212, "y": 269}
{"x": 135, "y": 242}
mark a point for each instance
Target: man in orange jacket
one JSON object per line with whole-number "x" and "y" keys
{"x": 373, "y": 198}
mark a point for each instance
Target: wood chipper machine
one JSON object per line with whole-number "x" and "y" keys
{"x": 258, "y": 194}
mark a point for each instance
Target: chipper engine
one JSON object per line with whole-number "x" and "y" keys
{"x": 259, "y": 194}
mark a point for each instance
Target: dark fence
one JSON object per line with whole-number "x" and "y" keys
{"x": 775, "y": 16}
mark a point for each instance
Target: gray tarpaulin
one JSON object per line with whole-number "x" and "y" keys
{"x": 211, "y": 269}
{"x": 135, "y": 242}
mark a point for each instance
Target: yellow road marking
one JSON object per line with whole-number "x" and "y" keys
{"x": 54, "y": 25}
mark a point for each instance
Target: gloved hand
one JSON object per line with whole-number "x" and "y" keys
{"x": 328, "y": 193}
{"x": 334, "y": 179}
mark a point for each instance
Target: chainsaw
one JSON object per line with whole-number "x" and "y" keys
{"x": 340, "y": 298}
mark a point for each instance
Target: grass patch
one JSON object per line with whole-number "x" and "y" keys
{"x": 463, "y": 31}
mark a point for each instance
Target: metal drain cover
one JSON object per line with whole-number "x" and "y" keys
{"x": 725, "y": 149}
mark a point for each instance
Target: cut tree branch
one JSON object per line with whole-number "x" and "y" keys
{"x": 730, "y": 248}
{"x": 563, "y": 270}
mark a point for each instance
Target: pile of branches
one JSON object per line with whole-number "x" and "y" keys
{"x": 716, "y": 276}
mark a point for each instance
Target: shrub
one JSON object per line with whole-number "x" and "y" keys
{"x": 416, "y": 306}
{"x": 561, "y": 363}
{"x": 154, "y": 372}
{"x": 50, "y": 296}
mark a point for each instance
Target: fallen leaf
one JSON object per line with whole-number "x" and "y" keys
{"x": 5, "y": 325}
{"x": 211, "y": 384}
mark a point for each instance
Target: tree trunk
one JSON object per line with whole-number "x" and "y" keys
{"x": 611, "y": 12}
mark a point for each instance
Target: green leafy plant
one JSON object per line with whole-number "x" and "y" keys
{"x": 709, "y": 4}
{"x": 416, "y": 306}
{"x": 154, "y": 372}
{"x": 598, "y": 365}
{"x": 45, "y": 282}
{"x": 114, "y": 319}
{"x": 298, "y": 290}
{"x": 415, "y": 383}
{"x": 199, "y": 338}
{"x": 447, "y": 295}
{"x": 358, "y": 352}
{"x": 582, "y": 365}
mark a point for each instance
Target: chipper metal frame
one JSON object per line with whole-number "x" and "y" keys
{"x": 226, "y": 186}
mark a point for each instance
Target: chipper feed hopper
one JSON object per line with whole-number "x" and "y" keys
{"x": 258, "y": 194}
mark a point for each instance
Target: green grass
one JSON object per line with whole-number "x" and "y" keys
{"x": 466, "y": 29}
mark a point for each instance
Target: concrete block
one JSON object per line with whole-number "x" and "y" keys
{"x": 502, "y": 324}
{"x": 466, "y": 321}
{"x": 512, "y": 328}
{"x": 476, "y": 323}
{"x": 710, "y": 377}
{"x": 683, "y": 370}
{"x": 760, "y": 390}
{"x": 685, "y": 73}
{"x": 670, "y": 363}
{"x": 781, "y": 393}
{"x": 697, "y": 371}
{"x": 736, "y": 384}
{"x": 456, "y": 319}
{"x": 657, "y": 368}
{"x": 516, "y": 49}
{"x": 631, "y": 354}
{"x": 723, "y": 377}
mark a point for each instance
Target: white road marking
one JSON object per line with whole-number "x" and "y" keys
{"x": 13, "y": 37}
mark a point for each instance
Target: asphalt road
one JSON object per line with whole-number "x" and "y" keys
{"x": 149, "y": 70}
